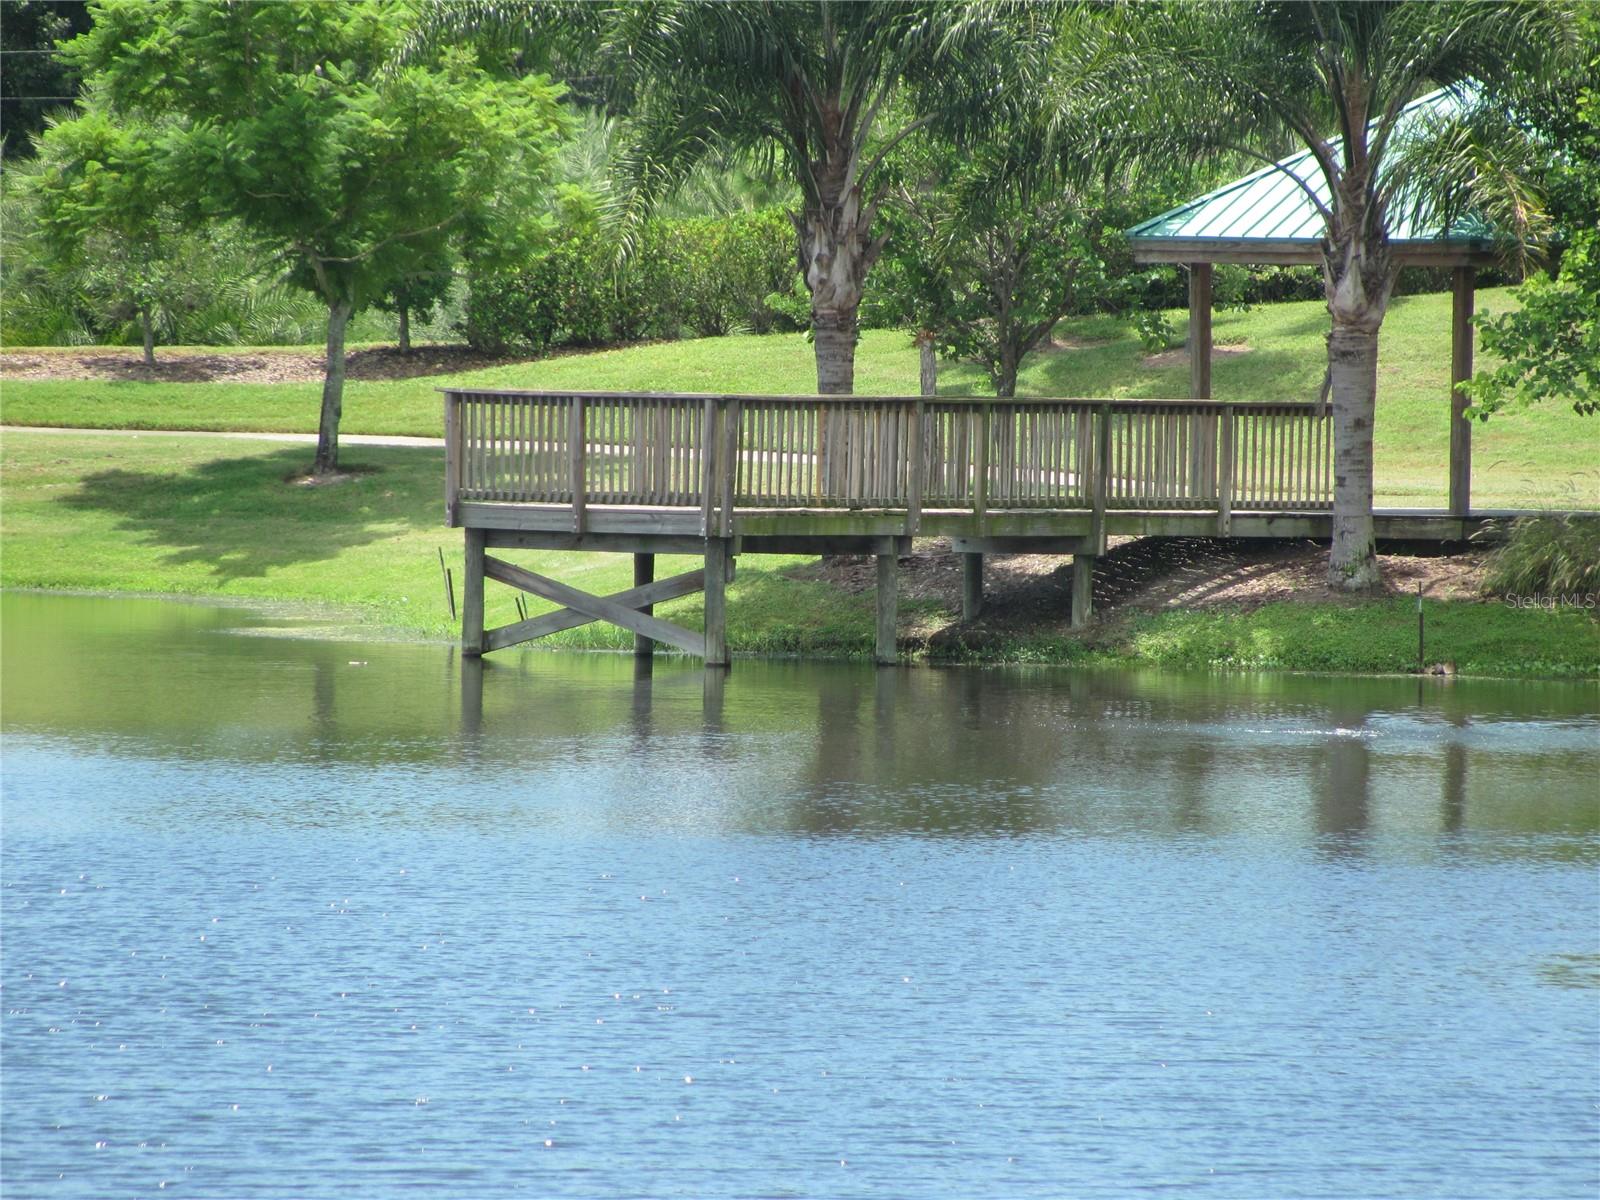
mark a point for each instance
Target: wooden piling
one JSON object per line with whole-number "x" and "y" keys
{"x": 1082, "y": 589}
{"x": 644, "y": 571}
{"x": 717, "y": 563}
{"x": 971, "y": 586}
{"x": 472, "y": 595}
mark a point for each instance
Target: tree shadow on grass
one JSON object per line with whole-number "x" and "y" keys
{"x": 244, "y": 517}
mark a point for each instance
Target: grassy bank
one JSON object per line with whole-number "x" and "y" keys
{"x": 1546, "y": 456}
{"x": 215, "y": 518}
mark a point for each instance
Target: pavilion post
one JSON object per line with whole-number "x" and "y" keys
{"x": 1200, "y": 331}
{"x": 1463, "y": 283}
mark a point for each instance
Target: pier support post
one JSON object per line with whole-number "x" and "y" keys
{"x": 718, "y": 568}
{"x": 884, "y": 654}
{"x": 644, "y": 571}
{"x": 971, "y": 586}
{"x": 472, "y": 595}
{"x": 1082, "y": 589}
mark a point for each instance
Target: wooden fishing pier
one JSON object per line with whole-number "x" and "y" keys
{"x": 720, "y": 476}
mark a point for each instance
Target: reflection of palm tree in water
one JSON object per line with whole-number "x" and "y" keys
{"x": 1344, "y": 791}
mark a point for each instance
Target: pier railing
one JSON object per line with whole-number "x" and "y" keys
{"x": 724, "y": 453}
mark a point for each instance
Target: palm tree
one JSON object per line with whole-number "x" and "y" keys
{"x": 1226, "y": 75}
{"x": 816, "y": 86}
{"x": 812, "y": 84}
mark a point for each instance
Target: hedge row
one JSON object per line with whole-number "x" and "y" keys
{"x": 706, "y": 276}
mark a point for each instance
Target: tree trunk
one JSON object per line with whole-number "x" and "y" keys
{"x": 327, "y": 460}
{"x": 405, "y": 330}
{"x": 1353, "y": 374}
{"x": 836, "y": 252}
{"x": 929, "y": 363}
{"x": 1005, "y": 370}
{"x": 834, "y": 334}
{"x": 147, "y": 327}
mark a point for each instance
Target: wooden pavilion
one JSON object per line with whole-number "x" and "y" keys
{"x": 1269, "y": 218}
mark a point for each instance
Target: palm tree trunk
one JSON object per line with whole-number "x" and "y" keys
{"x": 147, "y": 327}
{"x": 835, "y": 253}
{"x": 834, "y": 334}
{"x": 327, "y": 459}
{"x": 1353, "y": 376}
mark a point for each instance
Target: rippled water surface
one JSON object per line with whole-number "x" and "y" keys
{"x": 324, "y": 918}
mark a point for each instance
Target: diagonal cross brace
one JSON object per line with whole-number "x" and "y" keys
{"x": 620, "y": 609}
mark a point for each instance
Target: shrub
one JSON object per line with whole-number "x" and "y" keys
{"x": 713, "y": 275}
{"x": 1550, "y": 555}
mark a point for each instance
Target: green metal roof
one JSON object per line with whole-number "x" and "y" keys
{"x": 1271, "y": 207}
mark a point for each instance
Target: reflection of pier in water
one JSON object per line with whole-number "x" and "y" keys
{"x": 968, "y": 752}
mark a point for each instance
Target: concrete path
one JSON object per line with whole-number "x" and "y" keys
{"x": 305, "y": 439}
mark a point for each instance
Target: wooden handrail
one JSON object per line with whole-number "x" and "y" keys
{"x": 718, "y": 453}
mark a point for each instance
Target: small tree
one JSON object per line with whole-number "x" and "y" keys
{"x": 993, "y": 246}
{"x": 287, "y": 117}
{"x": 415, "y": 291}
{"x": 107, "y": 221}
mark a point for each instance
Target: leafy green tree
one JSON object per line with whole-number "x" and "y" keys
{"x": 1251, "y": 77}
{"x": 108, "y": 223}
{"x": 1551, "y": 343}
{"x": 985, "y": 259}
{"x": 416, "y": 289}
{"x": 289, "y": 118}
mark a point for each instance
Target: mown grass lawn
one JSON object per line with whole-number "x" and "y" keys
{"x": 1542, "y": 457}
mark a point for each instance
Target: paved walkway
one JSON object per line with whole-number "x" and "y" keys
{"x": 307, "y": 439}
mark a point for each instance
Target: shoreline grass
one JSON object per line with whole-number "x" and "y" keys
{"x": 208, "y": 518}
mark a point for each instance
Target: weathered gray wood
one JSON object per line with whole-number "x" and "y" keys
{"x": 885, "y": 652}
{"x": 1082, "y": 589}
{"x": 971, "y": 586}
{"x": 1200, "y": 331}
{"x": 472, "y": 594}
{"x": 557, "y": 518}
{"x": 576, "y": 446}
{"x": 644, "y": 572}
{"x": 598, "y": 607}
{"x": 715, "y": 643}
{"x": 1225, "y": 473}
{"x": 642, "y": 598}
{"x": 594, "y": 542}
{"x": 1102, "y": 478}
{"x": 728, "y": 466}
{"x": 980, "y": 469}
{"x": 452, "y": 459}
{"x": 918, "y": 467}
{"x": 1463, "y": 282}
{"x": 708, "y": 460}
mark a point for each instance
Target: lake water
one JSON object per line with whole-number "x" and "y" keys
{"x": 332, "y": 918}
